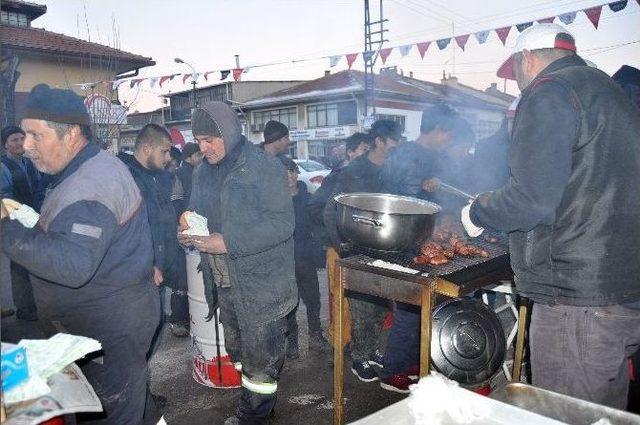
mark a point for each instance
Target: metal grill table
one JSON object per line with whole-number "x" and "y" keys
{"x": 425, "y": 287}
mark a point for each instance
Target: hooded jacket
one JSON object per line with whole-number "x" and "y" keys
{"x": 256, "y": 221}
{"x": 571, "y": 204}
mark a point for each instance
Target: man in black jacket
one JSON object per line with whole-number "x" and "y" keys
{"x": 243, "y": 194}
{"x": 572, "y": 211}
{"x": 90, "y": 254}
{"x": 25, "y": 181}
{"x": 191, "y": 158}
{"x": 147, "y": 166}
{"x": 364, "y": 174}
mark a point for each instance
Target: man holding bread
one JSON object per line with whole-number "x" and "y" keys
{"x": 243, "y": 194}
{"x": 89, "y": 253}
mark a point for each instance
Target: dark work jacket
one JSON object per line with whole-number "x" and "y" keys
{"x": 571, "y": 205}
{"x": 155, "y": 187}
{"x": 25, "y": 181}
{"x": 361, "y": 175}
{"x": 305, "y": 244}
{"x": 490, "y": 170}
{"x": 185, "y": 174}
{"x": 90, "y": 255}
{"x": 407, "y": 167}
{"x": 257, "y": 224}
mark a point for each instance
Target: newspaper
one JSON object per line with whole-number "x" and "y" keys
{"x": 70, "y": 393}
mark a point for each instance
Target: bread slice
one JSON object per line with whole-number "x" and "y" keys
{"x": 10, "y": 205}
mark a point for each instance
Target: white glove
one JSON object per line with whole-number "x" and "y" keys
{"x": 471, "y": 229}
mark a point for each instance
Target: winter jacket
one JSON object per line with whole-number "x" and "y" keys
{"x": 25, "y": 181}
{"x": 90, "y": 255}
{"x": 489, "y": 168}
{"x": 257, "y": 225}
{"x": 306, "y": 246}
{"x": 361, "y": 175}
{"x": 571, "y": 205}
{"x": 185, "y": 174}
{"x": 407, "y": 167}
{"x": 155, "y": 187}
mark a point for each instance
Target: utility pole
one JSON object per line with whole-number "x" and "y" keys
{"x": 373, "y": 40}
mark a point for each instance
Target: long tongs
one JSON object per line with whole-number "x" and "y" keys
{"x": 455, "y": 191}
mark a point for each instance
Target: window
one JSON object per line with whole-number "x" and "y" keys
{"x": 331, "y": 114}
{"x": 310, "y": 166}
{"x": 287, "y": 116}
{"x": 400, "y": 119}
{"x": 14, "y": 18}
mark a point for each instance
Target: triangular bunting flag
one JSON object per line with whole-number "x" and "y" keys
{"x": 206, "y": 75}
{"x": 166, "y": 78}
{"x": 384, "y": 54}
{"x": 503, "y": 33}
{"x": 567, "y": 18}
{"x": 351, "y": 58}
{"x": 153, "y": 81}
{"x": 523, "y": 26}
{"x": 237, "y": 72}
{"x": 593, "y": 14}
{"x": 333, "y": 60}
{"x": 224, "y": 74}
{"x": 548, "y": 20}
{"x": 367, "y": 56}
{"x": 482, "y": 36}
{"x": 422, "y": 48}
{"x": 116, "y": 84}
{"x": 617, "y": 6}
{"x": 184, "y": 78}
{"x": 404, "y": 50}
{"x": 461, "y": 40}
{"x": 135, "y": 82}
{"x": 443, "y": 43}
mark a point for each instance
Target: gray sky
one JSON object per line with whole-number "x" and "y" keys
{"x": 209, "y": 33}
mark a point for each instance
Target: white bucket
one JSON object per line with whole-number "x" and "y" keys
{"x": 203, "y": 335}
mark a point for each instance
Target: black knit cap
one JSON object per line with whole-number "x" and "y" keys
{"x": 274, "y": 131}
{"x": 189, "y": 149}
{"x": 9, "y": 130}
{"x": 56, "y": 105}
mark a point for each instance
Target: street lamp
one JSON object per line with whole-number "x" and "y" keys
{"x": 193, "y": 80}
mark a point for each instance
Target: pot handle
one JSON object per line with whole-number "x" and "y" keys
{"x": 366, "y": 220}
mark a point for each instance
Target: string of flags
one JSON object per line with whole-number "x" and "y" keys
{"x": 592, "y": 14}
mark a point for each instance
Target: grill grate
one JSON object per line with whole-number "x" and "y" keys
{"x": 456, "y": 264}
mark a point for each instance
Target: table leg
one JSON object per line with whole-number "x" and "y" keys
{"x": 338, "y": 350}
{"x": 519, "y": 353}
{"x": 426, "y": 298}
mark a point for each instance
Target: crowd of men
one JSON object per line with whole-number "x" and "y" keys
{"x": 109, "y": 238}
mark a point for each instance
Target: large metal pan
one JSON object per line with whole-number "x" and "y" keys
{"x": 385, "y": 222}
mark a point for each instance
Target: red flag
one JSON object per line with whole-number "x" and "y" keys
{"x": 422, "y": 48}
{"x": 384, "y": 53}
{"x": 135, "y": 82}
{"x": 165, "y": 78}
{"x": 237, "y": 72}
{"x": 206, "y": 75}
{"x": 503, "y": 33}
{"x": 548, "y": 20}
{"x": 351, "y": 58}
{"x": 462, "y": 40}
{"x": 594, "y": 15}
{"x": 184, "y": 78}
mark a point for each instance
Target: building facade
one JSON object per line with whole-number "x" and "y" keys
{"x": 322, "y": 113}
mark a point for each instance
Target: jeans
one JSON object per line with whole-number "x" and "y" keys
{"x": 261, "y": 350}
{"x": 582, "y": 351}
{"x": 403, "y": 345}
{"x": 367, "y": 315}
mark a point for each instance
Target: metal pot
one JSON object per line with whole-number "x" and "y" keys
{"x": 385, "y": 222}
{"x": 467, "y": 343}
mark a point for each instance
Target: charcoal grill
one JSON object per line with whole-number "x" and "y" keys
{"x": 423, "y": 285}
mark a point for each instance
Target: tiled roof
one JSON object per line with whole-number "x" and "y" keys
{"x": 36, "y": 39}
{"x": 352, "y": 81}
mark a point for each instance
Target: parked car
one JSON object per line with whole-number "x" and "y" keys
{"x": 312, "y": 173}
